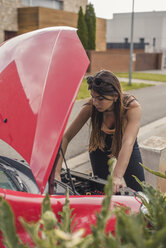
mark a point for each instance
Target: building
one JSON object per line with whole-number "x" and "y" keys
{"x": 21, "y": 16}
{"x": 66, "y": 5}
{"x": 9, "y": 12}
{"x": 149, "y": 32}
{"x": 8, "y": 17}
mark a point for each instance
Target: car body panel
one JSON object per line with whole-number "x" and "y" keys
{"x": 41, "y": 83}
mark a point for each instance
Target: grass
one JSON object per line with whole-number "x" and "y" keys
{"x": 84, "y": 92}
{"x": 134, "y": 86}
{"x": 144, "y": 76}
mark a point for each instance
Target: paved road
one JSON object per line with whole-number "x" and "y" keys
{"x": 152, "y": 100}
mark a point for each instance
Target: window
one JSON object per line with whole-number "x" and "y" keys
{"x": 6, "y": 182}
{"x": 154, "y": 42}
{"x": 142, "y": 40}
{"x": 10, "y": 34}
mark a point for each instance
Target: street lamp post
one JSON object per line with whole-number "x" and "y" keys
{"x": 131, "y": 45}
{"x": 30, "y": 2}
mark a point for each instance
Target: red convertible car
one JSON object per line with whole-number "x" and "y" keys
{"x": 40, "y": 75}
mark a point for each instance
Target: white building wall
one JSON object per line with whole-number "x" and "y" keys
{"x": 163, "y": 44}
{"x": 118, "y": 28}
{"x": 147, "y": 25}
{"x": 163, "y": 40}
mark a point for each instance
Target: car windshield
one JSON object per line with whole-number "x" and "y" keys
{"x": 6, "y": 182}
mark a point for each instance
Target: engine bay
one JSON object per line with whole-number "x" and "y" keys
{"x": 79, "y": 184}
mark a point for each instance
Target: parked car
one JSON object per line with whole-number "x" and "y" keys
{"x": 40, "y": 75}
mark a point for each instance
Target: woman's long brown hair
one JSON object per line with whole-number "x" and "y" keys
{"x": 106, "y": 83}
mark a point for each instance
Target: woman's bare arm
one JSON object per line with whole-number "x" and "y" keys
{"x": 73, "y": 129}
{"x": 129, "y": 137}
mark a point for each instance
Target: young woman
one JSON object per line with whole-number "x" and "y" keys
{"x": 115, "y": 121}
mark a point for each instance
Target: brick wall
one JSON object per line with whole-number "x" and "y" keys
{"x": 120, "y": 62}
{"x": 8, "y": 16}
{"x": 107, "y": 60}
{"x": 148, "y": 61}
{"x": 125, "y": 51}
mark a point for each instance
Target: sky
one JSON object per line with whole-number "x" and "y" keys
{"x": 106, "y": 8}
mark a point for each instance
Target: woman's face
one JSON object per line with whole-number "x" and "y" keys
{"x": 100, "y": 103}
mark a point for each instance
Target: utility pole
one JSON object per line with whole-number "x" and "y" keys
{"x": 131, "y": 45}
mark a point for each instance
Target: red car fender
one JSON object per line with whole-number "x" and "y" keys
{"x": 28, "y": 206}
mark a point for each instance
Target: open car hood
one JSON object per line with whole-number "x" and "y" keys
{"x": 40, "y": 75}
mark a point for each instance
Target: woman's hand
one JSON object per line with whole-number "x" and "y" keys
{"x": 118, "y": 182}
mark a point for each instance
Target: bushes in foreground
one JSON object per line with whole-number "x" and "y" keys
{"x": 144, "y": 230}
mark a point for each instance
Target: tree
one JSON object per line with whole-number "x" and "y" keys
{"x": 90, "y": 19}
{"x": 82, "y": 29}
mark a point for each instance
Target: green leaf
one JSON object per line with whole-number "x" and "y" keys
{"x": 34, "y": 229}
{"x": 159, "y": 174}
{"x": 7, "y": 226}
{"x": 49, "y": 220}
{"x": 66, "y": 215}
{"x": 46, "y": 205}
{"x": 130, "y": 228}
{"x": 102, "y": 217}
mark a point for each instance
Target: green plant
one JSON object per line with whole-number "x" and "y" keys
{"x": 49, "y": 233}
{"x": 145, "y": 230}
{"x": 144, "y": 76}
{"x": 82, "y": 29}
{"x": 86, "y": 25}
{"x": 90, "y": 19}
{"x": 7, "y": 226}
